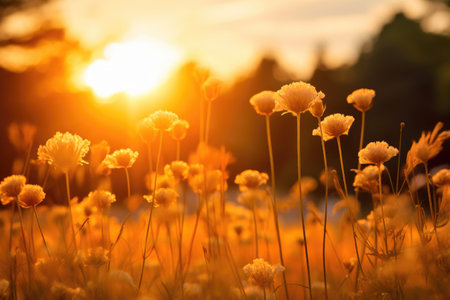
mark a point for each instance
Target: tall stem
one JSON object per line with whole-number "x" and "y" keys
{"x": 255, "y": 224}
{"x": 150, "y": 158}
{"x": 70, "y": 211}
{"x": 326, "y": 209}
{"x": 299, "y": 175}
{"x": 197, "y": 217}
{"x": 361, "y": 141}
{"x": 342, "y": 165}
{"x": 382, "y": 209}
{"x": 40, "y": 230}
{"x": 432, "y": 207}
{"x": 144, "y": 254}
{"x": 399, "y": 156}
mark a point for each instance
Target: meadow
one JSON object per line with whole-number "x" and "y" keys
{"x": 197, "y": 233}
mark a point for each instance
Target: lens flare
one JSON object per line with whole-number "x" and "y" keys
{"x": 134, "y": 67}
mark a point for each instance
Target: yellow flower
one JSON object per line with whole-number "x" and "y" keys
{"x": 179, "y": 129}
{"x": 163, "y": 197}
{"x": 297, "y": 97}
{"x": 264, "y": 102}
{"x": 211, "y": 88}
{"x": 123, "y": 158}
{"x": 251, "y": 179}
{"x": 162, "y": 119}
{"x": 146, "y": 130}
{"x": 261, "y": 273}
{"x": 317, "y": 108}
{"x": 361, "y": 99}
{"x": 442, "y": 178}
{"x": 177, "y": 169}
{"x": 334, "y": 126}
{"x": 64, "y": 151}
{"x": 367, "y": 179}
{"x": 31, "y": 195}
{"x": 101, "y": 199}
{"x": 10, "y": 188}
{"x": 376, "y": 153}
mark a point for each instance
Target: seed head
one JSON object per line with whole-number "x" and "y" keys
{"x": 261, "y": 273}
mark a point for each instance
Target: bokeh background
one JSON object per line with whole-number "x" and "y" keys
{"x": 401, "y": 49}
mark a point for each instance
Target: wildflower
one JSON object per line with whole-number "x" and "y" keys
{"x": 377, "y": 153}
{"x": 195, "y": 169}
{"x": 10, "y": 188}
{"x": 297, "y": 97}
{"x": 162, "y": 120}
{"x": 264, "y": 102}
{"x": 212, "y": 184}
{"x": 317, "y": 108}
{"x": 251, "y": 197}
{"x": 179, "y": 129}
{"x": 162, "y": 181}
{"x": 430, "y": 144}
{"x": 163, "y": 197}
{"x": 361, "y": 99}
{"x": 123, "y": 158}
{"x": 31, "y": 195}
{"x": 261, "y": 273}
{"x": 309, "y": 184}
{"x": 367, "y": 179}
{"x": 334, "y": 126}
{"x": 101, "y": 199}
{"x": 64, "y": 151}
{"x": 251, "y": 179}
{"x": 177, "y": 169}
{"x": 211, "y": 88}
{"x": 441, "y": 178}
{"x": 95, "y": 257}
{"x": 146, "y": 130}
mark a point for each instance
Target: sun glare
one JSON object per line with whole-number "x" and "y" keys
{"x": 134, "y": 67}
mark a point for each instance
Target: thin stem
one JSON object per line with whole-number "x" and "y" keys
{"x": 70, "y": 211}
{"x": 197, "y": 217}
{"x": 432, "y": 207}
{"x": 299, "y": 174}
{"x": 150, "y": 158}
{"x": 399, "y": 156}
{"x": 382, "y": 209}
{"x": 361, "y": 141}
{"x": 27, "y": 159}
{"x": 40, "y": 230}
{"x": 208, "y": 120}
{"x": 255, "y": 229}
{"x": 342, "y": 165}
{"x": 326, "y": 208}
{"x": 144, "y": 256}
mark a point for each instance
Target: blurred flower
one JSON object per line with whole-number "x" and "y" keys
{"x": 4, "y": 289}
{"x": 195, "y": 169}
{"x": 200, "y": 74}
{"x": 334, "y": 126}
{"x": 10, "y": 188}
{"x": 212, "y": 184}
{"x": 361, "y": 99}
{"x": 163, "y": 197}
{"x": 31, "y": 195}
{"x": 101, "y": 199}
{"x": 349, "y": 264}
{"x": 261, "y": 273}
{"x": 309, "y": 184}
{"x": 123, "y": 158}
{"x": 146, "y": 130}
{"x": 177, "y": 169}
{"x": 251, "y": 179}
{"x": 430, "y": 143}
{"x": 367, "y": 179}
{"x": 297, "y": 97}
{"x": 317, "y": 108}
{"x": 21, "y": 135}
{"x": 179, "y": 129}
{"x": 162, "y": 120}
{"x": 95, "y": 257}
{"x": 377, "y": 153}
{"x": 253, "y": 197}
{"x": 441, "y": 178}
{"x": 98, "y": 154}
{"x": 64, "y": 151}
{"x": 211, "y": 88}
{"x": 264, "y": 102}
{"x": 162, "y": 181}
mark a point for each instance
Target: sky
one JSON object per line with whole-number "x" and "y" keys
{"x": 227, "y": 36}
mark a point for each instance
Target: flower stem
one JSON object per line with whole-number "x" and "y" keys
{"x": 70, "y": 211}
{"x": 150, "y": 158}
{"x": 255, "y": 224}
{"x": 361, "y": 141}
{"x": 342, "y": 165}
{"x": 399, "y": 156}
{"x": 40, "y": 230}
{"x": 299, "y": 174}
{"x": 382, "y": 209}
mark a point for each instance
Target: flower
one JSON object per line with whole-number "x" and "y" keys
{"x": 442, "y": 178}
{"x": 251, "y": 179}
{"x": 334, "y": 126}
{"x": 146, "y": 130}
{"x": 261, "y": 273}
{"x": 211, "y": 88}
{"x": 31, "y": 195}
{"x": 163, "y": 197}
{"x": 10, "y": 188}
{"x": 101, "y": 199}
{"x": 361, "y": 99}
{"x": 162, "y": 120}
{"x": 309, "y": 184}
{"x": 367, "y": 179}
{"x": 96, "y": 257}
{"x": 21, "y": 135}
{"x": 212, "y": 184}
{"x": 251, "y": 197}
{"x": 377, "y": 153}
{"x": 179, "y": 129}
{"x": 297, "y": 97}
{"x": 64, "y": 151}
{"x": 162, "y": 181}
{"x": 430, "y": 144}
{"x": 177, "y": 169}
{"x": 123, "y": 158}
{"x": 264, "y": 102}
{"x": 317, "y": 108}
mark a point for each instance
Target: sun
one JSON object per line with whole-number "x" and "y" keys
{"x": 134, "y": 67}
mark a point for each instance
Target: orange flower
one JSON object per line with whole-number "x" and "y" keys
{"x": 211, "y": 88}
{"x": 261, "y": 273}
{"x": 297, "y": 97}
{"x": 251, "y": 179}
{"x": 163, "y": 197}
{"x": 31, "y": 195}
{"x": 179, "y": 129}
{"x": 361, "y": 99}
{"x": 162, "y": 120}
{"x": 334, "y": 126}
{"x": 264, "y": 102}
{"x": 123, "y": 158}
{"x": 377, "y": 153}
{"x": 10, "y": 188}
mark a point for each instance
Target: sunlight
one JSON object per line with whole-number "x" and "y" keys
{"x": 134, "y": 67}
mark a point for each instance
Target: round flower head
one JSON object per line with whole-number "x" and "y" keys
{"x": 334, "y": 126}
{"x": 146, "y": 130}
{"x": 31, "y": 195}
{"x": 297, "y": 97}
{"x": 361, "y": 99}
{"x": 264, "y": 102}
{"x": 442, "y": 178}
{"x": 317, "y": 108}
{"x": 261, "y": 273}
{"x": 163, "y": 197}
{"x": 64, "y": 151}
{"x": 101, "y": 199}
{"x": 367, "y": 179}
{"x": 123, "y": 158}
{"x": 96, "y": 257}
{"x": 177, "y": 169}
{"x": 211, "y": 88}
{"x": 376, "y": 153}
{"x": 251, "y": 179}
{"x": 179, "y": 129}
{"x": 10, "y": 188}
{"x": 162, "y": 120}
{"x": 212, "y": 184}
